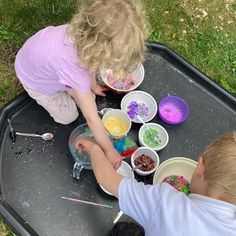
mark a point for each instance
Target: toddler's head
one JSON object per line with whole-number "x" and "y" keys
{"x": 215, "y": 175}
{"x": 110, "y": 34}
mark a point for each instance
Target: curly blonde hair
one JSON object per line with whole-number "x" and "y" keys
{"x": 220, "y": 167}
{"x": 110, "y": 34}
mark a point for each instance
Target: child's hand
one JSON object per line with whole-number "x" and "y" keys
{"x": 114, "y": 157}
{"x": 86, "y": 144}
{"x": 99, "y": 89}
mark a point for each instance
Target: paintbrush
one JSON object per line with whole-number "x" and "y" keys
{"x": 86, "y": 202}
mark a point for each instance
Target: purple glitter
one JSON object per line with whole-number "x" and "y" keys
{"x": 135, "y": 109}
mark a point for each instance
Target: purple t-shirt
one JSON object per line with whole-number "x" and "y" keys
{"x": 48, "y": 63}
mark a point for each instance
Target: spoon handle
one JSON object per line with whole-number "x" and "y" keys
{"x": 28, "y": 134}
{"x": 11, "y": 128}
{"x": 137, "y": 167}
{"x": 143, "y": 122}
{"x": 12, "y": 131}
{"x": 120, "y": 213}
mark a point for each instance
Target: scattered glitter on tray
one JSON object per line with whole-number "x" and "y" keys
{"x": 134, "y": 108}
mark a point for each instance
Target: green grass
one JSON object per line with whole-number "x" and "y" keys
{"x": 19, "y": 20}
{"x": 200, "y": 31}
{"x": 203, "y": 32}
{"x": 5, "y": 230}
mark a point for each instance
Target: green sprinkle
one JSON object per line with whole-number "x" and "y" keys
{"x": 148, "y": 138}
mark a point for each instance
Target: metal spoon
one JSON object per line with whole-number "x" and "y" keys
{"x": 137, "y": 167}
{"x": 13, "y": 133}
{"x": 155, "y": 138}
{"x": 104, "y": 111}
{"x": 45, "y": 136}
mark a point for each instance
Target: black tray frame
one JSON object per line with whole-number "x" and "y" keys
{"x": 16, "y": 222}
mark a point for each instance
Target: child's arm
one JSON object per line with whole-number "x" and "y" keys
{"x": 88, "y": 106}
{"x": 102, "y": 168}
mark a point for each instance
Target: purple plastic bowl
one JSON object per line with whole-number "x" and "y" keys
{"x": 173, "y": 110}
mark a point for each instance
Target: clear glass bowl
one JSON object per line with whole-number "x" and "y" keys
{"x": 81, "y": 158}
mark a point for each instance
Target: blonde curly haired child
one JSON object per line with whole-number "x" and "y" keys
{"x": 57, "y": 65}
{"x": 111, "y": 35}
{"x": 210, "y": 208}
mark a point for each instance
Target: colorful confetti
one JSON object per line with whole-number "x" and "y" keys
{"x": 178, "y": 182}
{"x": 120, "y": 83}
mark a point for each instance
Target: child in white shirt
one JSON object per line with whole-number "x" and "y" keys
{"x": 209, "y": 210}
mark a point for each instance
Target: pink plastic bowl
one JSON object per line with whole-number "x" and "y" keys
{"x": 173, "y": 110}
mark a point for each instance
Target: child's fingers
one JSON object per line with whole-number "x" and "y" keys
{"x": 85, "y": 143}
{"x": 81, "y": 143}
{"x": 104, "y": 88}
{"x": 102, "y": 94}
{"x": 117, "y": 165}
{"x": 79, "y": 146}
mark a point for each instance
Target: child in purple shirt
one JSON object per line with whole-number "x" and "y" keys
{"x": 209, "y": 210}
{"x": 57, "y": 65}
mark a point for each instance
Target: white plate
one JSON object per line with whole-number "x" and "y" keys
{"x": 180, "y": 166}
{"x": 124, "y": 170}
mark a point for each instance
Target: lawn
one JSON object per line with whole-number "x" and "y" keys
{"x": 201, "y": 31}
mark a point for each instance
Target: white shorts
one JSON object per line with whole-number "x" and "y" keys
{"x": 61, "y": 106}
